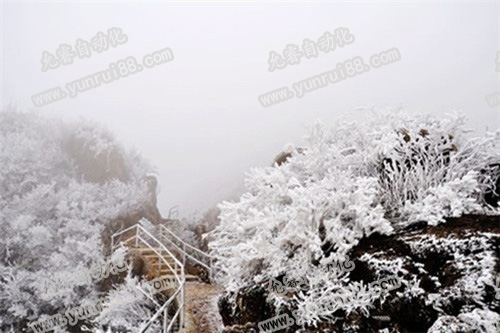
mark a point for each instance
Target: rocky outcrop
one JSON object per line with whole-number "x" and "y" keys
{"x": 448, "y": 281}
{"x": 147, "y": 210}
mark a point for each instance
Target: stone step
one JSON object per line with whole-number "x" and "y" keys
{"x": 154, "y": 257}
{"x": 194, "y": 289}
{"x": 189, "y": 277}
{"x": 147, "y": 250}
{"x": 151, "y": 255}
{"x": 151, "y": 258}
{"x": 164, "y": 269}
{"x": 155, "y": 264}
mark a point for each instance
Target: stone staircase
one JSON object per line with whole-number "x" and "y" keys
{"x": 157, "y": 267}
{"x": 192, "y": 307}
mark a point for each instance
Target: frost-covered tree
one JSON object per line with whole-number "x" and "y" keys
{"x": 342, "y": 185}
{"x": 60, "y": 186}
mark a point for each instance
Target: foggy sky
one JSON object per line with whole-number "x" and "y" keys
{"x": 198, "y": 119}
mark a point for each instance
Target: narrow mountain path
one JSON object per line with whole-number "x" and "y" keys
{"x": 202, "y": 313}
{"x": 200, "y": 299}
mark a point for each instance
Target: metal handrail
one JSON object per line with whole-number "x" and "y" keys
{"x": 179, "y": 289}
{"x": 185, "y": 255}
{"x": 164, "y": 309}
{"x": 119, "y": 233}
{"x": 183, "y": 252}
{"x": 184, "y": 243}
{"x": 182, "y": 280}
{"x": 139, "y": 227}
{"x": 157, "y": 314}
{"x": 148, "y": 296}
{"x": 163, "y": 259}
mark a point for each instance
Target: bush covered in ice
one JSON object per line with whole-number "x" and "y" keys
{"x": 344, "y": 184}
{"x": 54, "y": 205}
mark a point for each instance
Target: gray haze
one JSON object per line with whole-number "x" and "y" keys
{"x": 198, "y": 119}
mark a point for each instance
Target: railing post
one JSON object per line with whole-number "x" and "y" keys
{"x": 184, "y": 281}
{"x": 159, "y": 262}
{"x": 210, "y": 269}
{"x": 165, "y": 320}
{"x": 183, "y": 297}
{"x": 136, "y": 236}
{"x": 183, "y": 256}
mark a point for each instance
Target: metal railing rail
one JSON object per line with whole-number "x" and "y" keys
{"x": 140, "y": 228}
{"x": 164, "y": 309}
{"x": 182, "y": 249}
{"x": 180, "y": 279}
{"x": 191, "y": 247}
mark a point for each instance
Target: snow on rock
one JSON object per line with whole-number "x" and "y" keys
{"x": 410, "y": 196}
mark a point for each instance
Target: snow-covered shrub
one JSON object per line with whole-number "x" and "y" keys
{"x": 125, "y": 308}
{"x": 192, "y": 229}
{"x": 184, "y": 228}
{"x": 433, "y": 164}
{"x": 98, "y": 157}
{"x": 340, "y": 186}
{"x": 51, "y": 218}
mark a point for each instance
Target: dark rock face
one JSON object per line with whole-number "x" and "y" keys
{"x": 147, "y": 210}
{"x": 283, "y": 156}
{"x": 448, "y": 271}
{"x": 251, "y": 307}
{"x": 150, "y": 210}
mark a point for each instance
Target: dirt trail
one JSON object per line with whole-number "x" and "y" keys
{"x": 202, "y": 314}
